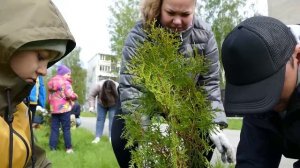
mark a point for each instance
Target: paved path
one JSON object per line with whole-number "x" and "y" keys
{"x": 90, "y": 124}
{"x": 233, "y": 136}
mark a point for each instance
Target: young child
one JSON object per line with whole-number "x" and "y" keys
{"x": 33, "y": 36}
{"x": 61, "y": 99}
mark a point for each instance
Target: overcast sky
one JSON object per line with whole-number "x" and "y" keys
{"x": 88, "y": 21}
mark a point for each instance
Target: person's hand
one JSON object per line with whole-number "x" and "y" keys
{"x": 222, "y": 144}
{"x": 91, "y": 109}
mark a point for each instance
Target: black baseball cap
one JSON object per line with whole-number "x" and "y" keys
{"x": 254, "y": 55}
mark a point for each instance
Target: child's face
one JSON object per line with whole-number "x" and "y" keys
{"x": 67, "y": 75}
{"x": 28, "y": 65}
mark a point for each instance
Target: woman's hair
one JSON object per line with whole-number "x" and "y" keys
{"x": 109, "y": 94}
{"x": 150, "y": 10}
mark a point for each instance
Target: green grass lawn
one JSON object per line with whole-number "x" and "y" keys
{"x": 88, "y": 155}
{"x": 85, "y": 154}
{"x": 88, "y": 114}
{"x": 235, "y": 123}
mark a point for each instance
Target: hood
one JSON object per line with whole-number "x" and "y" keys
{"x": 18, "y": 89}
{"x": 21, "y": 22}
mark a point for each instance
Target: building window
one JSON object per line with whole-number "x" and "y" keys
{"x": 102, "y": 57}
{"x": 104, "y": 68}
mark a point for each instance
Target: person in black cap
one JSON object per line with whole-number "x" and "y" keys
{"x": 261, "y": 59}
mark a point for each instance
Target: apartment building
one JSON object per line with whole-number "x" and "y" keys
{"x": 102, "y": 66}
{"x": 285, "y": 10}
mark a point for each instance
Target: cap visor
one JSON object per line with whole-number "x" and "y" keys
{"x": 254, "y": 98}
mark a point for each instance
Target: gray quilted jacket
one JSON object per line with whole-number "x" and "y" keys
{"x": 200, "y": 36}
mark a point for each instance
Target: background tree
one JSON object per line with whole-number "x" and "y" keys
{"x": 124, "y": 15}
{"x": 50, "y": 73}
{"x": 78, "y": 74}
{"x": 223, "y": 16}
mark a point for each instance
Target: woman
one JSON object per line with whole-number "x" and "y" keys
{"x": 106, "y": 91}
{"x": 177, "y": 16}
{"x": 28, "y": 45}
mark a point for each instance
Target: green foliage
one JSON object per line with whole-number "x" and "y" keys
{"x": 78, "y": 74}
{"x": 50, "y": 73}
{"x": 87, "y": 114}
{"x": 167, "y": 81}
{"x": 124, "y": 15}
{"x": 85, "y": 153}
{"x": 223, "y": 15}
{"x": 235, "y": 123}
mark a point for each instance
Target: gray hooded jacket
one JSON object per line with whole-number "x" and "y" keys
{"x": 198, "y": 36}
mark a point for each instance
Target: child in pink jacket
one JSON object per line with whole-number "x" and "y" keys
{"x": 61, "y": 99}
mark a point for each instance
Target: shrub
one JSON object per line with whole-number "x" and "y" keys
{"x": 167, "y": 81}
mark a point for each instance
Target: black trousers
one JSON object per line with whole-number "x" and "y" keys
{"x": 123, "y": 155}
{"x": 32, "y": 108}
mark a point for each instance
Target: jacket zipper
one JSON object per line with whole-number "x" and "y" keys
{"x": 26, "y": 145}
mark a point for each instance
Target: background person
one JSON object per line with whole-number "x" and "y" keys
{"x": 178, "y": 16}
{"x": 33, "y": 36}
{"x": 37, "y": 96}
{"x": 107, "y": 96}
{"x": 261, "y": 59}
{"x": 61, "y": 100}
{"x": 75, "y": 113}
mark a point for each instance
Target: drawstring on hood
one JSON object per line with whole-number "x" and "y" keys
{"x": 33, "y": 159}
{"x": 13, "y": 91}
{"x": 9, "y": 119}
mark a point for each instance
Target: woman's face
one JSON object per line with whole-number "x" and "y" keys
{"x": 177, "y": 15}
{"x": 28, "y": 65}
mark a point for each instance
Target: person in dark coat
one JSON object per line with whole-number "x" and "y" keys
{"x": 76, "y": 109}
{"x": 261, "y": 58}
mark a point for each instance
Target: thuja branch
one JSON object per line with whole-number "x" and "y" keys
{"x": 170, "y": 98}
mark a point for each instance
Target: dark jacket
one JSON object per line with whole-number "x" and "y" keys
{"x": 291, "y": 127}
{"x": 198, "y": 36}
{"x": 76, "y": 110}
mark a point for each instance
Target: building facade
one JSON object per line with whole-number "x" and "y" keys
{"x": 285, "y": 10}
{"x": 102, "y": 66}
